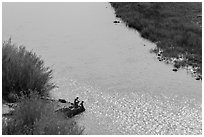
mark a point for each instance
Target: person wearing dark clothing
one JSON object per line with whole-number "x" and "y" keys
{"x": 82, "y": 105}
{"x": 76, "y": 102}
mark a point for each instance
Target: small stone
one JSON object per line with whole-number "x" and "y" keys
{"x": 116, "y": 21}
{"x": 174, "y": 69}
{"x": 197, "y": 78}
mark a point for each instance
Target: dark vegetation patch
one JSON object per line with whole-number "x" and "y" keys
{"x": 26, "y": 82}
{"x": 176, "y": 27}
{"x": 35, "y": 116}
{"x": 23, "y": 71}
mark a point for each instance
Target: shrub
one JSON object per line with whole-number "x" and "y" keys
{"x": 36, "y": 116}
{"x": 23, "y": 70}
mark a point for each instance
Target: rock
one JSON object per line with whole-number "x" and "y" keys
{"x": 158, "y": 57}
{"x": 197, "y": 78}
{"x": 7, "y": 110}
{"x": 116, "y": 21}
{"x": 72, "y": 109}
{"x": 199, "y": 16}
{"x": 175, "y": 69}
{"x": 118, "y": 16}
{"x": 62, "y": 100}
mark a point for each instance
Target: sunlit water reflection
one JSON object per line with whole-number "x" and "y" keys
{"x": 125, "y": 88}
{"x": 133, "y": 112}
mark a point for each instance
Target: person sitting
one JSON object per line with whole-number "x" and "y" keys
{"x": 82, "y": 105}
{"x": 76, "y": 102}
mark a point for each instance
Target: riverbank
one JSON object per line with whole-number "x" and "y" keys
{"x": 125, "y": 90}
{"x": 26, "y": 83}
{"x": 174, "y": 27}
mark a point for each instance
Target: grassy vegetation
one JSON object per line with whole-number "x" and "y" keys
{"x": 25, "y": 81}
{"x": 174, "y": 26}
{"x": 34, "y": 116}
{"x": 23, "y": 71}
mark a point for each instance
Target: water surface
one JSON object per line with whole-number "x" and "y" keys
{"x": 107, "y": 65}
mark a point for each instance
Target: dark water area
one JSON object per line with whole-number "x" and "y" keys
{"x": 125, "y": 88}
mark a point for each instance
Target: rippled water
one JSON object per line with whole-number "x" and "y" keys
{"x": 125, "y": 88}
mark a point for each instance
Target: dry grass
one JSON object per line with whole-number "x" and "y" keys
{"x": 35, "y": 116}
